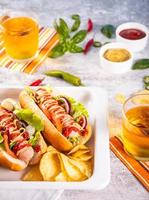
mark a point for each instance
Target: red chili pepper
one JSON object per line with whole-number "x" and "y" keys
{"x": 89, "y": 25}
{"x": 88, "y": 45}
{"x": 37, "y": 82}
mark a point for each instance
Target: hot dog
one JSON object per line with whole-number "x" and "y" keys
{"x": 17, "y": 149}
{"x": 61, "y": 128}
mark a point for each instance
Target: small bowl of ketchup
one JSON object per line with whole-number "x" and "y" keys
{"x": 135, "y": 35}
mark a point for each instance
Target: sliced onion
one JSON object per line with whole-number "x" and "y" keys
{"x": 31, "y": 130}
{"x": 83, "y": 121}
{"x": 64, "y": 102}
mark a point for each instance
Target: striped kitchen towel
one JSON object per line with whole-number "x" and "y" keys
{"x": 48, "y": 39}
{"x": 140, "y": 169}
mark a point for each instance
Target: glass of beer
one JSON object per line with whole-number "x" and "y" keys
{"x": 135, "y": 134}
{"x": 20, "y": 35}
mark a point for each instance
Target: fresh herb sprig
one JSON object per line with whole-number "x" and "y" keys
{"x": 70, "y": 38}
{"x": 146, "y": 82}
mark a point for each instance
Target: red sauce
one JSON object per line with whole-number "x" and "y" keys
{"x": 132, "y": 34}
{"x": 20, "y": 146}
{"x": 37, "y": 148}
{"x": 26, "y": 135}
{"x": 67, "y": 131}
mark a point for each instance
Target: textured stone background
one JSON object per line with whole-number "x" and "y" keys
{"x": 123, "y": 184}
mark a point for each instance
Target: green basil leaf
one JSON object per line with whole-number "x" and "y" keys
{"x": 76, "y": 23}
{"x": 64, "y": 28}
{"x": 58, "y": 51}
{"x": 56, "y": 27}
{"x": 75, "y": 49}
{"x": 108, "y": 30}
{"x": 75, "y": 17}
{"x": 97, "y": 44}
{"x": 141, "y": 64}
{"x": 1, "y": 138}
{"x": 79, "y": 36}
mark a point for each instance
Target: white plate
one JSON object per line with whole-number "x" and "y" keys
{"x": 95, "y": 100}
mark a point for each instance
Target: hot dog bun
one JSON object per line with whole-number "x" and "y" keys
{"x": 15, "y": 164}
{"x": 51, "y": 134}
{"x": 12, "y": 163}
{"x": 37, "y": 156}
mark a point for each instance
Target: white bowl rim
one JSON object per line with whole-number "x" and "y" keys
{"x": 134, "y": 25}
{"x": 115, "y": 45}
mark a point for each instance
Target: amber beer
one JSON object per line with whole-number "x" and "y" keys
{"x": 135, "y": 134}
{"x": 20, "y": 37}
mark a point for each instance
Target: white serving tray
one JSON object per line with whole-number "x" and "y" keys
{"x": 95, "y": 100}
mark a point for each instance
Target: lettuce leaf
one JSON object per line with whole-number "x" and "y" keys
{"x": 1, "y": 138}
{"x": 31, "y": 118}
{"x": 77, "y": 109}
{"x": 33, "y": 140}
{"x": 2, "y": 145}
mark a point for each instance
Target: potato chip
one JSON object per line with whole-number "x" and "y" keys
{"x": 33, "y": 174}
{"x": 83, "y": 157}
{"x": 61, "y": 177}
{"x": 84, "y": 167}
{"x": 50, "y": 166}
{"x": 76, "y": 148}
{"x": 80, "y": 152}
{"x": 42, "y": 144}
{"x": 51, "y": 148}
{"x": 72, "y": 171}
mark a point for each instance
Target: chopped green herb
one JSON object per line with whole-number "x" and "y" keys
{"x": 33, "y": 140}
{"x": 1, "y": 138}
{"x": 12, "y": 144}
{"x": 146, "y": 79}
{"x": 97, "y": 44}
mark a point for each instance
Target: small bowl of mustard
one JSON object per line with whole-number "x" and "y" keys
{"x": 116, "y": 57}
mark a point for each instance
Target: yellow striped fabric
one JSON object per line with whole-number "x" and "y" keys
{"x": 48, "y": 38}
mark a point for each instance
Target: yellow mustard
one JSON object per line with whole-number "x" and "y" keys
{"x": 117, "y": 55}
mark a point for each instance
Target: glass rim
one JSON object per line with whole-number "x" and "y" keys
{"x": 19, "y": 16}
{"x": 126, "y": 101}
